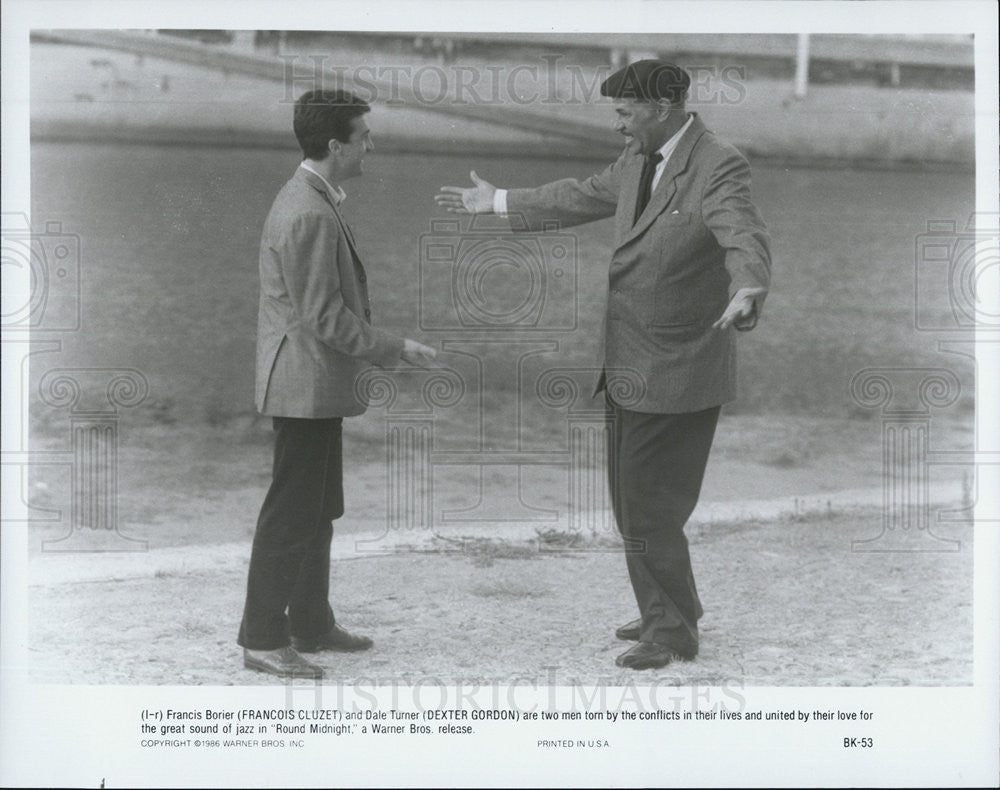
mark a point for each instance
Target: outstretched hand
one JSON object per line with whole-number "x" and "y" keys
{"x": 477, "y": 199}
{"x": 741, "y": 313}
{"x": 417, "y": 354}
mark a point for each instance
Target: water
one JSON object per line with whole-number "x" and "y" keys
{"x": 168, "y": 264}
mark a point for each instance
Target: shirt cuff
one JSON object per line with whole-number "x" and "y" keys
{"x": 500, "y": 202}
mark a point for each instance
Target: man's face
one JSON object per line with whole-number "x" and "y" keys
{"x": 642, "y": 124}
{"x": 352, "y": 153}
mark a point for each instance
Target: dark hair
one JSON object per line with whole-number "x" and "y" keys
{"x": 323, "y": 115}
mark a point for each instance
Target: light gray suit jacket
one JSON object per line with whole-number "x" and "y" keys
{"x": 314, "y": 333}
{"x": 699, "y": 241}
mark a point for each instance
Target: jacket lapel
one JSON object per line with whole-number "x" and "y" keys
{"x": 347, "y": 231}
{"x": 317, "y": 183}
{"x": 666, "y": 188}
{"x": 628, "y": 197}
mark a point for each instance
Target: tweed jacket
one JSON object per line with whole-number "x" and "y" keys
{"x": 314, "y": 332}
{"x": 698, "y": 242}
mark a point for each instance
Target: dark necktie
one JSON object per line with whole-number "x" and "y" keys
{"x": 645, "y": 182}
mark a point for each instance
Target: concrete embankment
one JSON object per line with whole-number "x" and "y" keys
{"x": 187, "y": 95}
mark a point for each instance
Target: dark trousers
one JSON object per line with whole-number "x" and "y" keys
{"x": 656, "y": 463}
{"x": 290, "y": 561}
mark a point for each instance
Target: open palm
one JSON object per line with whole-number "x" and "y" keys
{"x": 477, "y": 199}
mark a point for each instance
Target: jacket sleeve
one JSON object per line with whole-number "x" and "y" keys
{"x": 568, "y": 201}
{"x": 309, "y": 267}
{"x": 738, "y": 228}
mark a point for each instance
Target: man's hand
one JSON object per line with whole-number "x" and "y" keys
{"x": 418, "y": 354}
{"x": 741, "y": 313}
{"x": 475, "y": 200}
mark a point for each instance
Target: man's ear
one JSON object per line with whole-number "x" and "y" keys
{"x": 333, "y": 146}
{"x": 663, "y": 108}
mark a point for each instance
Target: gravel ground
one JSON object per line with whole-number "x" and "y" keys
{"x": 788, "y": 603}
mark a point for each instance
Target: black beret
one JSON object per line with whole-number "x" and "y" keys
{"x": 648, "y": 80}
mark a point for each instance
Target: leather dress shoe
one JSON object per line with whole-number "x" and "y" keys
{"x": 647, "y": 655}
{"x": 284, "y": 662}
{"x": 630, "y": 631}
{"x": 334, "y": 639}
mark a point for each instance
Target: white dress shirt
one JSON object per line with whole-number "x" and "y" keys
{"x": 337, "y": 194}
{"x": 666, "y": 150}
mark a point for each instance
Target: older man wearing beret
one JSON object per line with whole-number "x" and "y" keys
{"x": 690, "y": 265}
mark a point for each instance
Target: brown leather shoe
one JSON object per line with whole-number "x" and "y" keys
{"x": 630, "y": 631}
{"x": 647, "y": 655}
{"x": 334, "y": 639}
{"x": 284, "y": 662}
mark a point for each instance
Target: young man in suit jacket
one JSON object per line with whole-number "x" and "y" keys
{"x": 691, "y": 263}
{"x": 314, "y": 338}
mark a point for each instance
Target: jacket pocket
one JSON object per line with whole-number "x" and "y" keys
{"x": 669, "y": 218}
{"x": 673, "y": 324}
{"x": 670, "y": 335}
